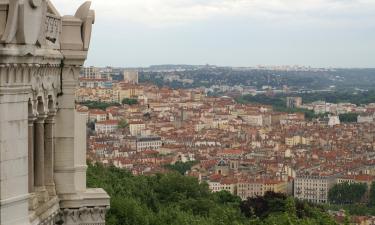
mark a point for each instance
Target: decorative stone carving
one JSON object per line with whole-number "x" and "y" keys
{"x": 35, "y": 3}
{"x": 77, "y": 29}
{"x": 85, "y": 215}
{"x": 24, "y": 21}
{"x": 40, "y": 58}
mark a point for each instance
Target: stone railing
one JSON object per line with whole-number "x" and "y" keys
{"x": 53, "y": 27}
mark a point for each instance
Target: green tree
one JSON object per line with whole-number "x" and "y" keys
{"x": 348, "y": 117}
{"x": 99, "y": 105}
{"x": 181, "y": 167}
{"x": 372, "y": 195}
{"x": 123, "y": 124}
{"x": 346, "y": 193}
{"x": 173, "y": 199}
{"x": 129, "y": 101}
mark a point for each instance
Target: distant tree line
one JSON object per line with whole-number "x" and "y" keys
{"x": 99, "y": 105}
{"x": 129, "y": 101}
{"x": 342, "y": 79}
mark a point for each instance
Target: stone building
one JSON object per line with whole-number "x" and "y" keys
{"x": 313, "y": 188}
{"x": 42, "y": 136}
{"x": 131, "y": 76}
{"x": 293, "y": 102}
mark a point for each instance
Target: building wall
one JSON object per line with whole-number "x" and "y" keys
{"x": 313, "y": 188}
{"x": 43, "y": 150}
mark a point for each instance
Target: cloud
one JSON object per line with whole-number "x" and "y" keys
{"x": 176, "y": 12}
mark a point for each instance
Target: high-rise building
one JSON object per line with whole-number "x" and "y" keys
{"x": 131, "y": 76}
{"x": 91, "y": 73}
{"x": 42, "y": 136}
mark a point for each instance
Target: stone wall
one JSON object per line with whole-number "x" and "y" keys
{"x": 42, "y": 137}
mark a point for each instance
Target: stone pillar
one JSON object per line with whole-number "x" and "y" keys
{"x": 31, "y": 153}
{"x": 49, "y": 153}
{"x": 70, "y": 138}
{"x": 39, "y": 159}
{"x": 33, "y": 200}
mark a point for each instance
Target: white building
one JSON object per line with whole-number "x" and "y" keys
{"x": 131, "y": 76}
{"x": 97, "y": 115}
{"x": 136, "y": 128}
{"x": 365, "y": 118}
{"x": 148, "y": 143}
{"x": 107, "y": 126}
{"x": 313, "y": 188}
{"x": 333, "y": 120}
{"x": 253, "y": 119}
{"x": 91, "y": 73}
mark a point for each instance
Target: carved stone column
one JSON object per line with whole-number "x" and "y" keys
{"x": 31, "y": 153}
{"x": 39, "y": 159}
{"x": 33, "y": 201}
{"x": 70, "y": 164}
{"x": 49, "y": 153}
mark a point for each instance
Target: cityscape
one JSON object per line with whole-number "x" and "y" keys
{"x": 246, "y": 149}
{"x": 144, "y": 112}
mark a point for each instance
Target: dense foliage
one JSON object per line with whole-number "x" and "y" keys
{"x": 129, "y": 101}
{"x": 173, "y": 199}
{"x": 122, "y": 123}
{"x": 359, "y": 206}
{"x": 284, "y": 210}
{"x": 349, "y": 118}
{"x": 181, "y": 167}
{"x": 372, "y": 195}
{"x": 346, "y": 193}
{"x": 98, "y": 105}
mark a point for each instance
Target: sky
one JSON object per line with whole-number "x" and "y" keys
{"x": 317, "y": 33}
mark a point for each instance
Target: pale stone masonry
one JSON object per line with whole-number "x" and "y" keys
{"x": 42, "y": 136}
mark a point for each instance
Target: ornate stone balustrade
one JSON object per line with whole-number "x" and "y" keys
{"x": 53, "y": 27}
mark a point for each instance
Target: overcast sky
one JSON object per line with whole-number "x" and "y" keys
{"x": 318, "y": 33}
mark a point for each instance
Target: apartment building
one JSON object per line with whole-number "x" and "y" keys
{"x": 136, "y": 128}
{"x": 107, "y": 126}
{"x": 313, "y": 188}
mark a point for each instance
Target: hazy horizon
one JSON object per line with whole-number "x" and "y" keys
{"x": 241, "y": 33}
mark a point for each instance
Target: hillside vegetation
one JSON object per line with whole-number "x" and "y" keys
{"x": 173, "y": 199}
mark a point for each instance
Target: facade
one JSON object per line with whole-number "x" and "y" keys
{"x": 293, "y": 102}
{"x": 148, "y": 143}
{"x": 251, "y": 188}
{"x": 42, "y": 136}
{"x": 253, "y": 119}
{"x": 107, "y": 126}
{"x": 313, "y": 188}
{"x": 131, "y": 76}
{"x": 296, "y": 140}
{"x": 136, "y": 128}
{"x": 91, "y": 73}
{"x": 365, "y": 118}
{"x": 97, "y": 115}
{"x": 333, "y": 120}
{"x": 258, "y": 187}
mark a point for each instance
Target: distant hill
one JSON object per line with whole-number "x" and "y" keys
{"x": 207, "y": 76}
